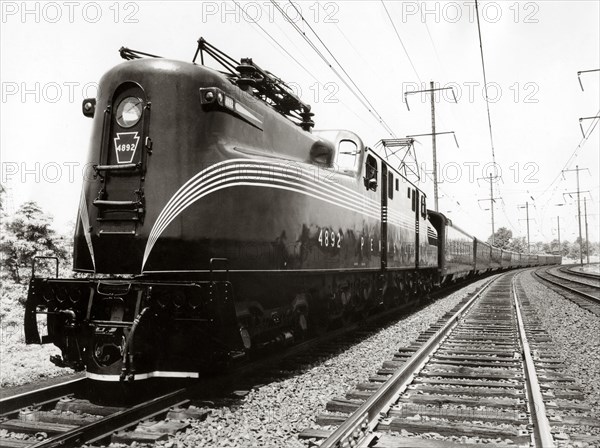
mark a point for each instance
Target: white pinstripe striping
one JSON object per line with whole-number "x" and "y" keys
{"x": 173, "y": 208}
{"x": 85, "y": 223}
{"x": 218, "y": 177}
{"x": 193, "y": 190}
{"x": 239, "y": 164}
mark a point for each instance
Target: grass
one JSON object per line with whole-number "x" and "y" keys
{"x": 21, "y": 363}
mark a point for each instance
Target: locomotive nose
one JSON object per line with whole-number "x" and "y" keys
{"x": 117, "y": 191}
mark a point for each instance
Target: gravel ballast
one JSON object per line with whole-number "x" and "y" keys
{"x": 274, "y": 414}
{"x": 575, "y": 333}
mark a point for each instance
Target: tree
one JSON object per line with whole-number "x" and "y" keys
{"x": 517, "y": 245}
{"x": 565, "y": 249}
{"x": 502, "y": 237}
{"x": 550, "y": 248}
{"x": 2, "y": 191}
{"x": 25, "y": 235}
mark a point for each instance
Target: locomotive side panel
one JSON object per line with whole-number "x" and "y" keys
{"x": 401, "y": 225}
{"x": 261, "y": 223}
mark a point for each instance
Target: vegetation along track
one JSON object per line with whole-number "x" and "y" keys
{"x": 487, "y": 374}
{"x": 584, "y": 291}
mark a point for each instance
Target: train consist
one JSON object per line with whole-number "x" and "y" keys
{"x": 218, "y": 222}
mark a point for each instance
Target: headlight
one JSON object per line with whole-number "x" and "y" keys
{"x": 129, "y": 111}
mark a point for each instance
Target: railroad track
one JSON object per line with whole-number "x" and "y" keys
{"x": 66, "y": 414}
{"x": 578, "y": 270}
{"x": 488, "y": 373}
{"x": 583, "y": 292}
{"x": 578, "y": 273}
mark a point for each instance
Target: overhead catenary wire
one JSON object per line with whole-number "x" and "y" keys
{"x": 401, "y": 42}
{"x": 566, "y": 166}
{"x": 285, "y": 51}
{"x": 281, "y": 47}
{"x": 360, "y": 96}
{"x": 487, "y": 102}
{"x": 569, "y": 161}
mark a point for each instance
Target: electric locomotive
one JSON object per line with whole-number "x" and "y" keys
{"x": 216, "y": 221}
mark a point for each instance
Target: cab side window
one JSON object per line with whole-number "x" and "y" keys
{"x": 346, "y": 155}
{"x": 371, "y": 173}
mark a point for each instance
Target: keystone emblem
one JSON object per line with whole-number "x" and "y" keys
{"x": 126, "y": 144}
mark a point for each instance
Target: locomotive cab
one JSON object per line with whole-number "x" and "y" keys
{"x": 349, "y": 150}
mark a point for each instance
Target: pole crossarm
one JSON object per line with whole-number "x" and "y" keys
{"x": 412, "y": 92}
{"x": 432, "y": 91}
{"x": 569, "y": 193}
{"x": 586, "y": 118}
{"x": 579, "y": 73}
{"x": 438, "y": 133}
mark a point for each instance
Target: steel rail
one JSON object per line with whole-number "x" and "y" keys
{"x": 127, "y": 418}
{"x": 576, "y": 277}
{"x": 357, "y": 426}
{"x": 104, "y": 427}
{"x": 590, "y": 297}
{"x": 542, "y": 434}
{"x": 591, "y": 275}
{"x": 9, "y": 405}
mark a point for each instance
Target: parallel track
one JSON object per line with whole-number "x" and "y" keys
{"x": 584, "y": 293}
{"x": 472, "y": 375}
{"x": 587, "y": 278}
{"x": 580, "y": 273}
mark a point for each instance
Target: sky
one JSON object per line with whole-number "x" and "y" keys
{"x": 52, "y": 54}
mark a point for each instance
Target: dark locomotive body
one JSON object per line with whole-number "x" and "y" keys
{"x": 214, "y": 225}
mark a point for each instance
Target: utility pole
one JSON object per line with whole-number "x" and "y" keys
{"x": 435, "y": 180}
{"x": 578, "y": 212}
{"x": 432, "y": 91}
{"x": 559, "y": 246}
{"x": 579, "y": 216}
{"x": 526, "y": 207}
{"x": 492, "y": 205}
{"x": 587, "y": 247}
{"x": 492, "y": 200}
